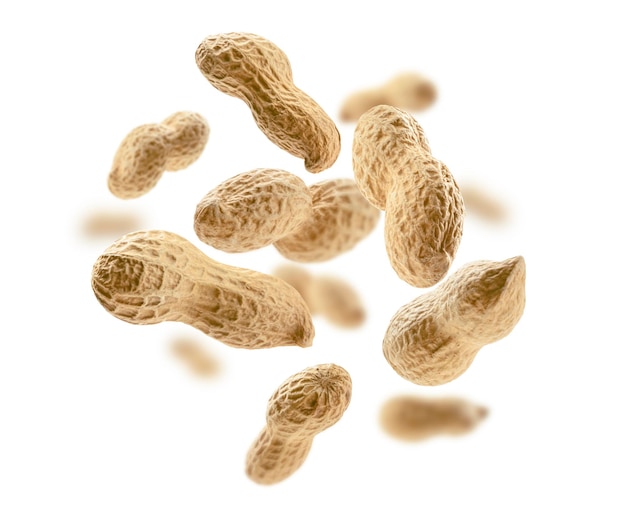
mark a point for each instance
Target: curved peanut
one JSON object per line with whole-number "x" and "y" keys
{"x": 341, "y": 219}
{"x": 305, "y": 224}
{"x": 412, "y": 418}
{"x": 333, "y": 298}
{"x": 152, "y": 149}
{"x": 424, "y": 211}
{"x": 252, "y": 210}
{"x": 305, "y": 404}
{"x": 434, "y": 339}
{"x": 407, "y": 91}
{"x": 153, "y": 276}
{"x": 253, "y": 69}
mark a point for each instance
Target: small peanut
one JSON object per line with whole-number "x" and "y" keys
{"x": 199, "y": 360}
{"x": 104, "y": 223}
{"x": 152, "y": 149}
{"x": 252, "y": 210}
{"x": 395, "y": 171}
{"x": 412, "y": 418}
{"x": 434, "y": 339}
{"x": 481, "y": 203}
{"x": 264, "y": 206}
{"x": 329, "y": 296}
{"x": 148, "y": 277}
{"x": 341, "y": 219}
{"x": 408, "y": 91}
{"x": 303, "y": 406}
{"x": 252, "y": 68}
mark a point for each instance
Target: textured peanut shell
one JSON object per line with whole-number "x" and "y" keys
{"x": 255, "y": 70}
{"x": 435, "y": 338}
{"x": 303, "y": 406}
{"x": 424, "y": 210}
{"x": 407, "y": 91}
{"x": 412, "y": 418}
{"x": 151, "y": 149}
{"x": 252, "y": 210}
{"x": 341, "y": 219}
{"x": 148, "y": 277}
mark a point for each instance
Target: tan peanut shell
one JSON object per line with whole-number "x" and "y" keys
{"x": 481, "y": 203}
{"x": 152, "y": 149}
{"x": 329, "y": 296}
{"x": 252, "y": 210}
{"x": 303, "y": 406}
{"x": 148, "y": 277}
{"x": 104, "y": 223}
{"x": 196, "y": 356}
{"x": 255, "y": 70}
{"x": 434, "y": 339}
{"x": 341, "y": 219}
{"x": 408, "y": 91}
{"x": 412, "y": 418}
{"x": 424, "y": 211}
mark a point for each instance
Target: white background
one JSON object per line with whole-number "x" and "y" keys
{"x": 100, "y": 425}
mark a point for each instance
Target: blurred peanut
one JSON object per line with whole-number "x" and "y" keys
{"x": 104, "y": 223}
{"x": 252, "y": 210}
{"x": 148, "y": 277}
{"x": 424, "y": 212}
{"x": 252, "y": 68}
{"x": 195, "y": 356}
{"x": 329, "y": 296}
{"x": 265, "y": 206}
{"x": 434, "y": 339}
{"x": 407, "y": 91}
{"x": 341, "y": 219}
{"x": 152, "y": 149}
{"x": 412, "y": 418}
{"x": 303, "y": 406}
{"x": 479, "y": 202}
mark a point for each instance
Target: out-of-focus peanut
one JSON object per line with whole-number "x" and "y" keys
{"x": 305, "y": 404}
{"x": 408, "y": 91}
{"x": 252, "y": 210}
{"x": 152, "y": 149}
{"x": 252, "y": 68}
{"x": 104, "y": 223}
{"x": 329, "y": 296}
{"x": 195, "y": 356}
{"x": 148, "y": 277}
{"x": 434, "y": 339}
{"x": 424, "y": 212}
{"x": 305, "y": 224}
{"x": 479, "y": 202}
{"x": 412, "y": 418}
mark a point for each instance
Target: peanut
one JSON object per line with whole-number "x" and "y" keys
{"x": 152, "y": 149}
{"x": 412, "y": 418}
{"x": 407, "y": 91}
{"x": 148, "y": 277}
{"x": 341, "y": 219}
{"x": 253, "y": 69}
{"x": 434, "y": 339}
{"x": 303, "y": 406}
{"x": 104, "y": 223}
{"x": 252, "y": 210}
{"x": 264, "y": 206}
{"x": 330, "y": 296}
{"x": 424, "y": 211}
{"x": 480, "y": 202}
{"x": 199, "y": 360}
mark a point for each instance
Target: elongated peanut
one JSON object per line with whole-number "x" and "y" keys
{"x": 305, "y": 224}
{"x": 252, "y": 210}
{"x": 395, "y": 171}
{"x": 303, "y": 406}
{"x": 153, "y": 276}
{"x": 196, "y": 356}
{"x": 408, "y": 91}
{"x": 105, "y": 223}
{"x": 252, "y": 68}
{"x": 480, "y": 202}
{"x": 434, "y": 339}
{"x": 341, "y": 219}
{"x": 152, "y": 149}
{"x": 411, "y": 418}
{"x": 329, "y": 296}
